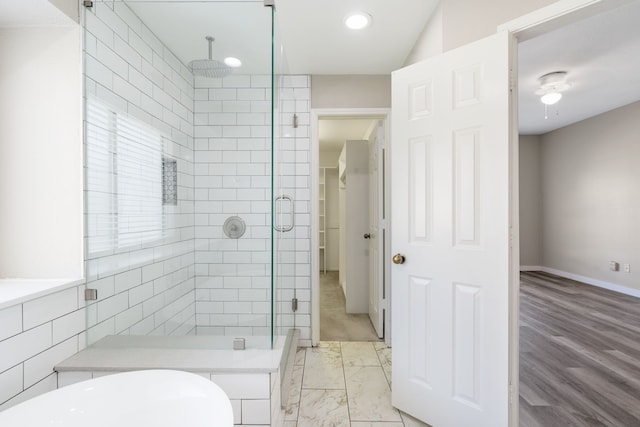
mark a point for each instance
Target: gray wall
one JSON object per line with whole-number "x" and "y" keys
{"x": 530, "y": 199}
{"x": 350, "y": 91}
{"x": 591, "y": 196}
{"x": 583, "y": 179}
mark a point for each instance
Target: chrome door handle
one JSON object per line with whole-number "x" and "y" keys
{"x": 292, "y": 214}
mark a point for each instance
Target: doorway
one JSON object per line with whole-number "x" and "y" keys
{"x": 349, "y": 233}
{"x": 569, "y": 331}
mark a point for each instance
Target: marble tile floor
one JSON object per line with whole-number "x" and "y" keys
{"x": 344, "y": 384}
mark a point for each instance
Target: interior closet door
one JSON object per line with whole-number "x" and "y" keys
{"x": 376, "y": 276}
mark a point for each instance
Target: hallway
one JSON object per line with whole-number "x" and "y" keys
{"x": 335, "y": 323}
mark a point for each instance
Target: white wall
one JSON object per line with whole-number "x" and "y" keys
{"x": 40, "y": 153}
{"x": 530, "y": 201}
{"x": 591, "y": 197}
{"x": 430, "y": 41}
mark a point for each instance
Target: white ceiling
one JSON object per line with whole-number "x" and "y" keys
{"x": 317, "y": 42}
{"x": 601, "y": 56}
{"x": 241, "y": 29}
{"x": 314, "y": 37}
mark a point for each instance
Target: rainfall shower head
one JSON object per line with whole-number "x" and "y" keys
{"x": 209, "y": 67}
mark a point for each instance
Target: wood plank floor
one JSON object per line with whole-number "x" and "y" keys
{"x": 579, "y": 354}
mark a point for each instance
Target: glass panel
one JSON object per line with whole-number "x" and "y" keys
{"x": 200, "y": 264}
{"x": 283, "y": 203}
{"x": 292, "y": 194}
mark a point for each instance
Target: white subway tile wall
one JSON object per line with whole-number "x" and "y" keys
{"x": 146, "y": 287}
{"x": 34, "y": 336}
{"x": 233, "y": 178}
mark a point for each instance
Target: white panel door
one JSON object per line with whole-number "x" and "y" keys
{"x": 450, "y": 219}
{"x": 376, "y": 276}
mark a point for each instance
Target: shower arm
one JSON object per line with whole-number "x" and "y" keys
{"x": 210, "y": 40}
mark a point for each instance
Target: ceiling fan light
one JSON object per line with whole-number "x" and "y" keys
{"x": 550, "y": 98}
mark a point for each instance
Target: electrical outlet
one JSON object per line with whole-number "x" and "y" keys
{"x": 627, "y": 268}
{"x": 614, "y": 266}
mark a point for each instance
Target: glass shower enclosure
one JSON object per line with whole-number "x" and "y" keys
{"x": 196, "y": 192}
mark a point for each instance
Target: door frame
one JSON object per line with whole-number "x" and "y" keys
{"x": 525, "y": 27}
{"x": 317, "y": 114}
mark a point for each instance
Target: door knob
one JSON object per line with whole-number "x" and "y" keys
{"x": 398, "y": 259}
{"x": 367, "y": 236}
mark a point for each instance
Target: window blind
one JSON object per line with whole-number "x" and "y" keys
{"x": 123, "y": 179}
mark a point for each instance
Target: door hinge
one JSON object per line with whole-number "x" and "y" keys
{"x": 294, "y": 304}
{"x": 269, "y": 3}
{"x": 87, "y": 3}
{"x": 513, "y": 81}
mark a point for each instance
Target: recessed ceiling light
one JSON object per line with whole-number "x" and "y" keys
{"x": 357, "y": 20}
{"x": 232, "y": 62}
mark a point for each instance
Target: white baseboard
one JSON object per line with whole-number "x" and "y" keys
{"x": 584, "y": 279}
{"x": 531, "y": 268}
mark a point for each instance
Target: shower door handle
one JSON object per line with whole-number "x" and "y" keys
{"x": 292, "y": 217}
